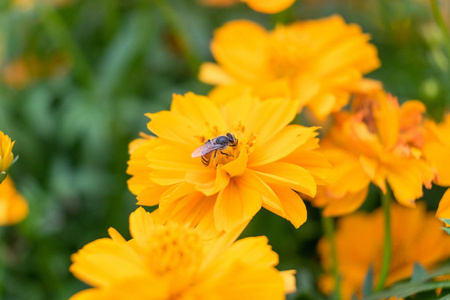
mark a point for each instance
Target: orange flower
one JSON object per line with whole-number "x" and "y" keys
{"x": 6, "y": 155}
{"x": 268, "y": 163}
{"x": 317, "y": 62}
{"x": 416, "y": 237}
{"x": 175, "y": 262}
{"x": 13, "y": 207}
{"x": 437, "y": 148}
{"x": 378, "y": 141}
{"x": 443, "y": 211}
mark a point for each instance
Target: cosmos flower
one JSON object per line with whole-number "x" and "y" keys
{"x": 263, "y": 6}
{"x": 437, "y": 148}
{"x": 379, "y": 141}
{"x": 416, "y": 237}
{"x": 6, "y": 155}
{"x": 13, "y": 207}
{"x": 443, "y": 211}
{"x": 175, "y": 262}
{"x": 318, "y": 62}
{"x": 270, "y": 162}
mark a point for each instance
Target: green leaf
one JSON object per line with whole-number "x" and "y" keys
{"x": 2, "y": 176}
{"x": 446, "y": 221}
{"x": 419, "y": 272}
{"x": 446, "y": 229}
{"x": 367, "y": 287}
{"x": 446, "y": 297}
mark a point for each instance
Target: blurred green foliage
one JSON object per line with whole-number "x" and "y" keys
{"x": 98, "y": 66}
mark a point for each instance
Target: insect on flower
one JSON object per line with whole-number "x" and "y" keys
{"x": 219, "y": 143}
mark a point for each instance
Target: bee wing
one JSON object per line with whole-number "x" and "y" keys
{"x": 205, "y": 149}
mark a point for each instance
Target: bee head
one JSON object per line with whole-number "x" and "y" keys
{"x": 231, "y": 139}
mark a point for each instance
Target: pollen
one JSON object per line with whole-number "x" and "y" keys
{"x": 173, "y": 248}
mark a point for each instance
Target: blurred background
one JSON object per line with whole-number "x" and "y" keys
{"x": 77, "y": 77}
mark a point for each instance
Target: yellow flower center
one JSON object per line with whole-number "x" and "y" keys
{"x": 173, "y": 248}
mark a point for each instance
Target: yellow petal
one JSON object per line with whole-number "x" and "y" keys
{"x": 104, "y": 261}
{"x": 208, "y": 181}
{"x": 238, "y": 166}
{"x": 269, "y": 6}
{"x": 272, "y": 116}
{"x": 141, "y": 224}
{"x": 290, "y": 285}
{"x": 240, "y": 47}
{"x": 151, "y": 195}
{"x": 281, "y": 145}
{"x": 213, "y": 74}
{"x": 199, "y": 110}
{"x": 288, "y": 175}
{"x": 236, "y": 204}
{"x": 176, "y": 128}
{"x": 292, "y": 204}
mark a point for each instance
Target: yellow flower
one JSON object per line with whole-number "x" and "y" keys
{"x": 416, "y": 237}
{"x": 317, "y": 62}
{"x": 437, "y": 148}
{"x": 269, "y": 162}
{"x": 269, "y": 6}
{"x": 13, "y": 207}
{"x": 379, "y": 142}
{"x": 175, "y": 262}
{"x": 6, "y": 155}
{"x": 264, "y": 6}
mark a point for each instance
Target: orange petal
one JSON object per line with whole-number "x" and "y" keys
{"x": 208, "y": 181}
{"x": 443, "y": 211}
{"x": 292, "y": 204}
{"x": 236, "y": 204}
{"x": 288, "y": 175}
{"x": 281, "y": 145}
{"x": 346, "y": 204}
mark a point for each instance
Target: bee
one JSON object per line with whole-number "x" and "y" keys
{"x": 211, "y": 147}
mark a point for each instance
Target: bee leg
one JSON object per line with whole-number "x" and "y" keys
{"x": 227, "y": 154}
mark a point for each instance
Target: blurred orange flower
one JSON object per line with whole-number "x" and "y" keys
{"x": 416, "y": 237}
{"x": 6, "y": 155}
{"x": 318, "y": 62}
{"x": 13, "y": 207}
{"x": 437, "y": 148}
{"x": 175, "y": 262}
{"x": 379, "y": 141}
{"x": 29, "y": 4}
{"x": 443, "y": 211}
{"x": 267, "y": 164}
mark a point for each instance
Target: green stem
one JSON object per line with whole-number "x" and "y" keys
{"x": 328, "y": 227}
{"x": 57, "y": 28}
{"x": 172, "y": 20}
{"x": 387, "y": 249}
{"x": 440, "y": 22}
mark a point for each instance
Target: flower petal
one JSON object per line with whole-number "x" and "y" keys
{"x": 213, "y": 74}
{"x": 288, "y": 175}
{"x": 208, "y": 181}
{"x": 269, "y": 6}
{"x": 240, "y": 47}
{"x": 292, "y": 204}
{"x": 238, "y": 166}
{"x": 236, "y": 204}
{"x": 281, "y": 145}
{"x": 272, "y": 116}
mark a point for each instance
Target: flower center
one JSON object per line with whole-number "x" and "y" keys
{"x": 173, "y": 248}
